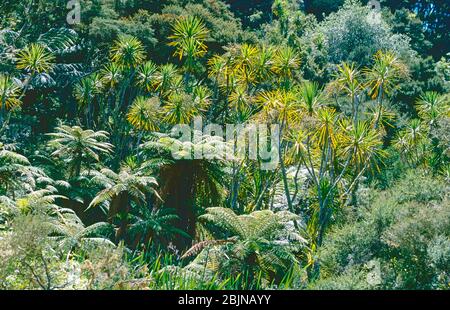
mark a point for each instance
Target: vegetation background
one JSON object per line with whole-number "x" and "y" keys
{"x": 91, "y": 197}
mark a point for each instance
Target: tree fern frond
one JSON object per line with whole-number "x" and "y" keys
{"x": 226, "y": 219}
{"x": 198, "y": 247}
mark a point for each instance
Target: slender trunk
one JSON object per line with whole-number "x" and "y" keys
{"x": 283, "y": 168}
{"x": 141, "y": 133}
{"x": 294, "y": 196}
{"x": 269, "y": 183}
{"x": 234, "y": 188}
{"x": 380, "y": 106}
{"x": 2, "y": 110}
{"x": 78, "y": 164}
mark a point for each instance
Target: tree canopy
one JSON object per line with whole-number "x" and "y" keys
{"x": 212, "y": 144}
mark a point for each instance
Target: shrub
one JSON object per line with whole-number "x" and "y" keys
{"x": 406, "y": 229}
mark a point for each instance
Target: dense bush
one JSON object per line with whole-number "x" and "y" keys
{"x": 404, "y": 231}
{"x": 98, "y": 190}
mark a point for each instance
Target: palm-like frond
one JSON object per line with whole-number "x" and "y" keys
{"x": 126, "y": 181}
{"x": 311, "y": 97}
{"x": 154, "y": 224}
{"x": 86, "y": 90}
{"x": 9, "y": 93}
{"x": 226, "y": 220}
{"x": 111, "y": 75}
{"x": 35, "y": 59}
{"x": 78, "y": 146}
{"x": 219, "y": 68}
{"x": 180, "y": 109}
{"x": 144, "y": 113}
{"x": 286, "y": 62}
{"x": 7, "y": 155}
{"x": 385, "y": 72}
{"x": 189, "y": 35}
{"x": 244, "y": 57}
{"x": 326, "y": 129}
{"x": 127, "y": 51}
{"x": 363, "y": 144}
{"x": 347, "y": 80}
{"x": 16, "y": 171}
{"x": 38, "y": 201}
{"x": 166, "y": 77}
{"x": 431, "y": 106}
{"x": 146, "y": 76}
{"x": 278, "y": 105}
{"x": 75, "y": 140}
{"x": 198, "y": 247}
{"x": 263, "y": 240}
{"x": 70, "y": 233}
{"x": 59, "y": 40}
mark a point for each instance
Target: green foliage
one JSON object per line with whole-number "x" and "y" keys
{"x": 260, "y": 245}
{"x": 127, "y": 51}
{"x": 76, "y": 146}
{"x": 108, "y": 26}
{"x": 399, "y": 229}
{"x": 10, "y": 93}
{"x": 144, "y": 113}
{"x": 100, "y": 189}
{"x": 351, "y": 35}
